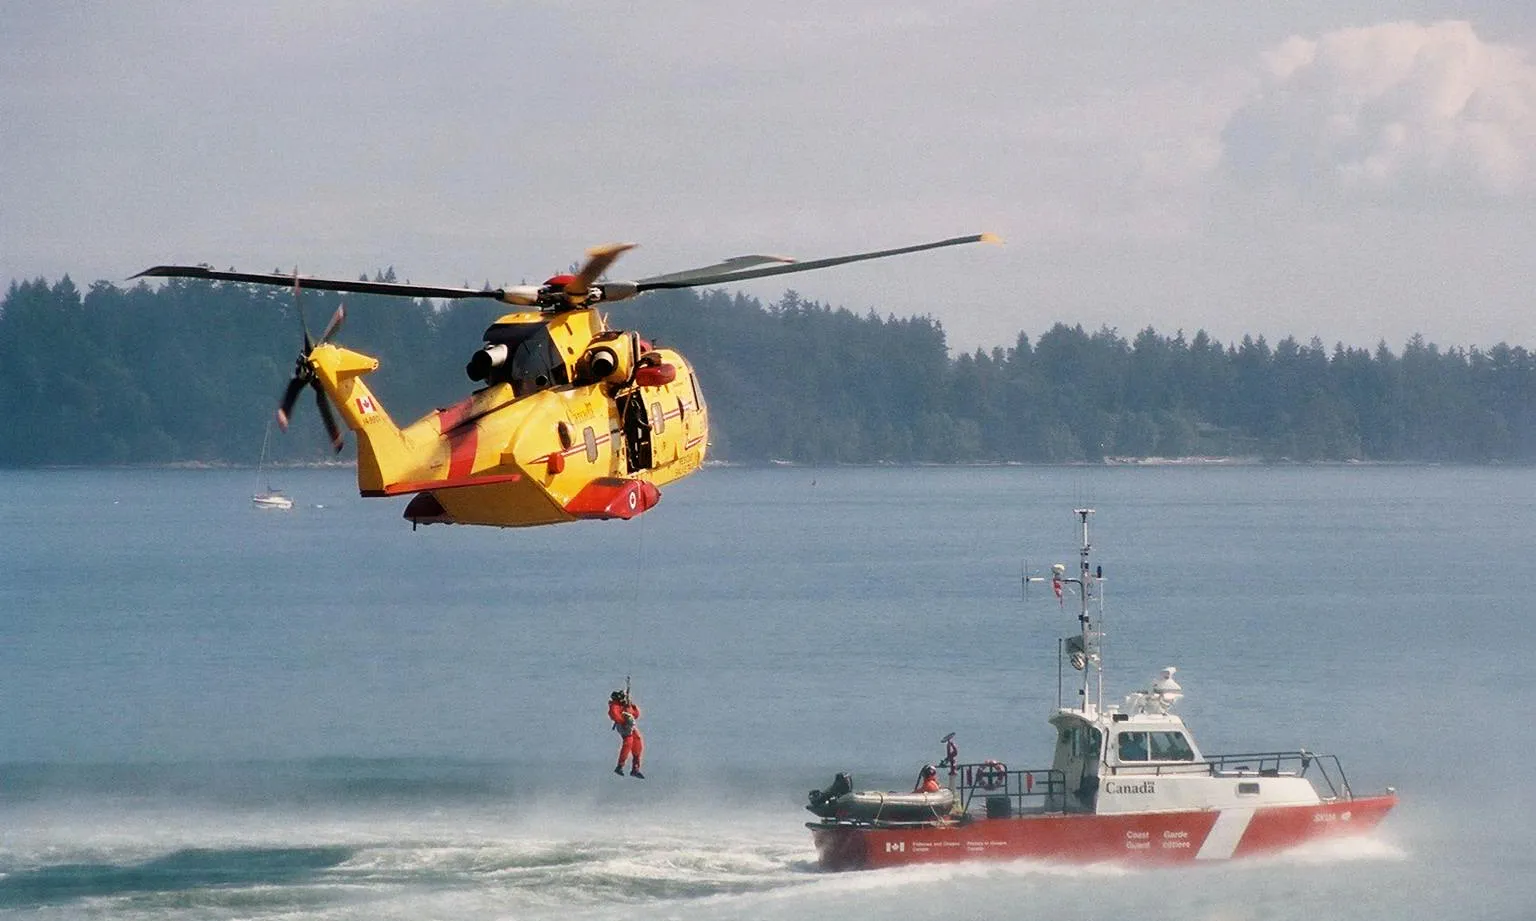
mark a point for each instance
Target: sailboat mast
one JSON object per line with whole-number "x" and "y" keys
{"x": 261, "y": 462}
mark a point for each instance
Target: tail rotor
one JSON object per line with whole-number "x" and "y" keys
{"x": 304, "y": 373}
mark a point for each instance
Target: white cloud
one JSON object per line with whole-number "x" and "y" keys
{"x": 1394, "y": 112}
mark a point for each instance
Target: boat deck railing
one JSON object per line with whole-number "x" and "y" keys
{"x": 1296, "y": 763}
{"x": 1275, "y": 764}
{"x": 1007, "y": 792}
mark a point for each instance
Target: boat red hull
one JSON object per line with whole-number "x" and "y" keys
{"x": 1163, "y": 837}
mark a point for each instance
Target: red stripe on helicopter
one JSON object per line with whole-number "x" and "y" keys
{"x": 453, "y": 416}
{"x": 580, "y": 447}
{"x": 462, "y": 439}
{"x": 461, "y": 459}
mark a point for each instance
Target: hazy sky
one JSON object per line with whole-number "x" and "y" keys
{"x": 1349, "y": 169}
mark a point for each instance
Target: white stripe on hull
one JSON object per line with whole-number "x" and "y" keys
{"x": 1225, "y": 834}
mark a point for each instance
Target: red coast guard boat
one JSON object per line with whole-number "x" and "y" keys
{"x": 1126, "y": 783}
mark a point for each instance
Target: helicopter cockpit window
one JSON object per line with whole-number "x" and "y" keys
{"x": 521, "y": 354}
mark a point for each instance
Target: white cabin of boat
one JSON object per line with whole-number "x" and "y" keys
{"x": 1145, "y": 759}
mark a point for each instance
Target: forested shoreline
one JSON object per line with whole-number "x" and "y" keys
{"x": 191, "y": 372}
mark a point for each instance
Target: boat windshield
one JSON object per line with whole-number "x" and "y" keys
{"x": 1153, "y": 746}
{"x": 1083, "y": 741}
{"x": 1170, "y": 746}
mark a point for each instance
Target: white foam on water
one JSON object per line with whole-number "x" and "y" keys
{"x": 521, "y": 860}
{"x": 1339, "y": 850}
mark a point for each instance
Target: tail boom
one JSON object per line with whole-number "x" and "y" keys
{"x": 382, "y": 450}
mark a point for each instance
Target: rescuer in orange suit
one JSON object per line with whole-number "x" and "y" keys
{"x": 927, "y": 780}
{"x": 624, "y": 713}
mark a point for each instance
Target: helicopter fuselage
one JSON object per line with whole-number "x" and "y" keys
{"x": 575, "y": 421}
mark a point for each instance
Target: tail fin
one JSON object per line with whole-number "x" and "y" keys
{"x": 382, "y": 456}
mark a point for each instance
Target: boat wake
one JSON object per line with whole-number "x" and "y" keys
{"x": 1327, "y": 851}
{"x": 571, "y": 873}
{"x": 523, "y": 864}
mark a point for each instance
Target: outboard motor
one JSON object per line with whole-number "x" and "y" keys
{"x": 824, "y": 802}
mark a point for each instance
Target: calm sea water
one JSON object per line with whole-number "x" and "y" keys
{"x": 215, "y": 712}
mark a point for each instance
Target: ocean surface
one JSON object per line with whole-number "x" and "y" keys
{"x": 209, "y": 711}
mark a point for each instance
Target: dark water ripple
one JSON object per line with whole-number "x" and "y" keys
{"x": 189, "y": 869}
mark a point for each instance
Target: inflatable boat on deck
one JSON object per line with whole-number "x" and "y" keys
{"x": 840, "y": 803}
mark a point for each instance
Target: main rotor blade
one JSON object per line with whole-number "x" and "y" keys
{"x": 327, "y": 418}
{"x": 599, "y": 258}
{"x": 290, "y": 396}
{"x": 729, "y": 266}
{"x": 691, "y": 280}
{"x": 319, "y": 284}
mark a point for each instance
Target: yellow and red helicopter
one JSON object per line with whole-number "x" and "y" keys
{"x": 574, "y": 421}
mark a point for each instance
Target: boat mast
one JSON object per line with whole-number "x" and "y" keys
{"x": 1091, "y": 633}
{"x": 1084, "y": 651}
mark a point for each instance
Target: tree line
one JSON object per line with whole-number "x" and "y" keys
{"x": 191, "y": 371}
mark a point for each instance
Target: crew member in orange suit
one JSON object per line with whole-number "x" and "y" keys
{"x": 927, "y": 780}
{"x": 625, "y": 713}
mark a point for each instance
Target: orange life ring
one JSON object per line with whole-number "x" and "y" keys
{"x": 993, "y": 775}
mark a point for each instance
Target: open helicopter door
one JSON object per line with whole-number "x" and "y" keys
{"x": 636, "y": 422}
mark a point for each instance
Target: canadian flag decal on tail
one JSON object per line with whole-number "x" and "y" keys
{"x": 365, "y": 405}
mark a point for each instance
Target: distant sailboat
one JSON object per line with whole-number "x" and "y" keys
{"x": 268, "y": 498}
